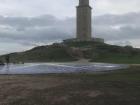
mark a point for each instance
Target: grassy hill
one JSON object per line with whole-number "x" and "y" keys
{"x": 52, "y": 53}
{"x": 71, "y": 51}
{"x": 101, "y": 52}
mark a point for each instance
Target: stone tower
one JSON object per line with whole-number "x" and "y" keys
{"x": 84, "y": 28}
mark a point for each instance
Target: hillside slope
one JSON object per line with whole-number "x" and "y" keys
{"x": 71, "y": 51}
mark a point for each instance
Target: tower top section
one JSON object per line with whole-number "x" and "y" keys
{"x": 83, "y": 2}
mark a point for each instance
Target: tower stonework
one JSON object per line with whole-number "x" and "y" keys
{"x": 84, "y": 20}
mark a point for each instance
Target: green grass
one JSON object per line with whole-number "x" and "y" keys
{"x": 63, "y": 52}
{"x": 117, "y": 58}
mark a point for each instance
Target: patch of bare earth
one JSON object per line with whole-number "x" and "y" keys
{"x": 13, "y": 88}
{"x": 59, "y": 90}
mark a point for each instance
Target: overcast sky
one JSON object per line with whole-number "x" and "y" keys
{"x": 28, "y": 23}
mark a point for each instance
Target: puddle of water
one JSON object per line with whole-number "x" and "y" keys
{"x": 45, "y": 68}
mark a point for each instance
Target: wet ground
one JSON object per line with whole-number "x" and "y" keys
{"x": 45, "y": 68}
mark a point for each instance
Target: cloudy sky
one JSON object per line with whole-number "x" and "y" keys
{"x": 28, "y": 23}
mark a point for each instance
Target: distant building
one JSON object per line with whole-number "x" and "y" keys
{"x": 84, "y": 27}
{"x": 84, "y": 20}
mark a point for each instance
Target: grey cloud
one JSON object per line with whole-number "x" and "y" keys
{"x": 25, "y": 22}
{"x": 31, "y": 30}
{"x": 118, "y": 27}
{"x": 47, "y": 28}
{"x": 108, "y": 19}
